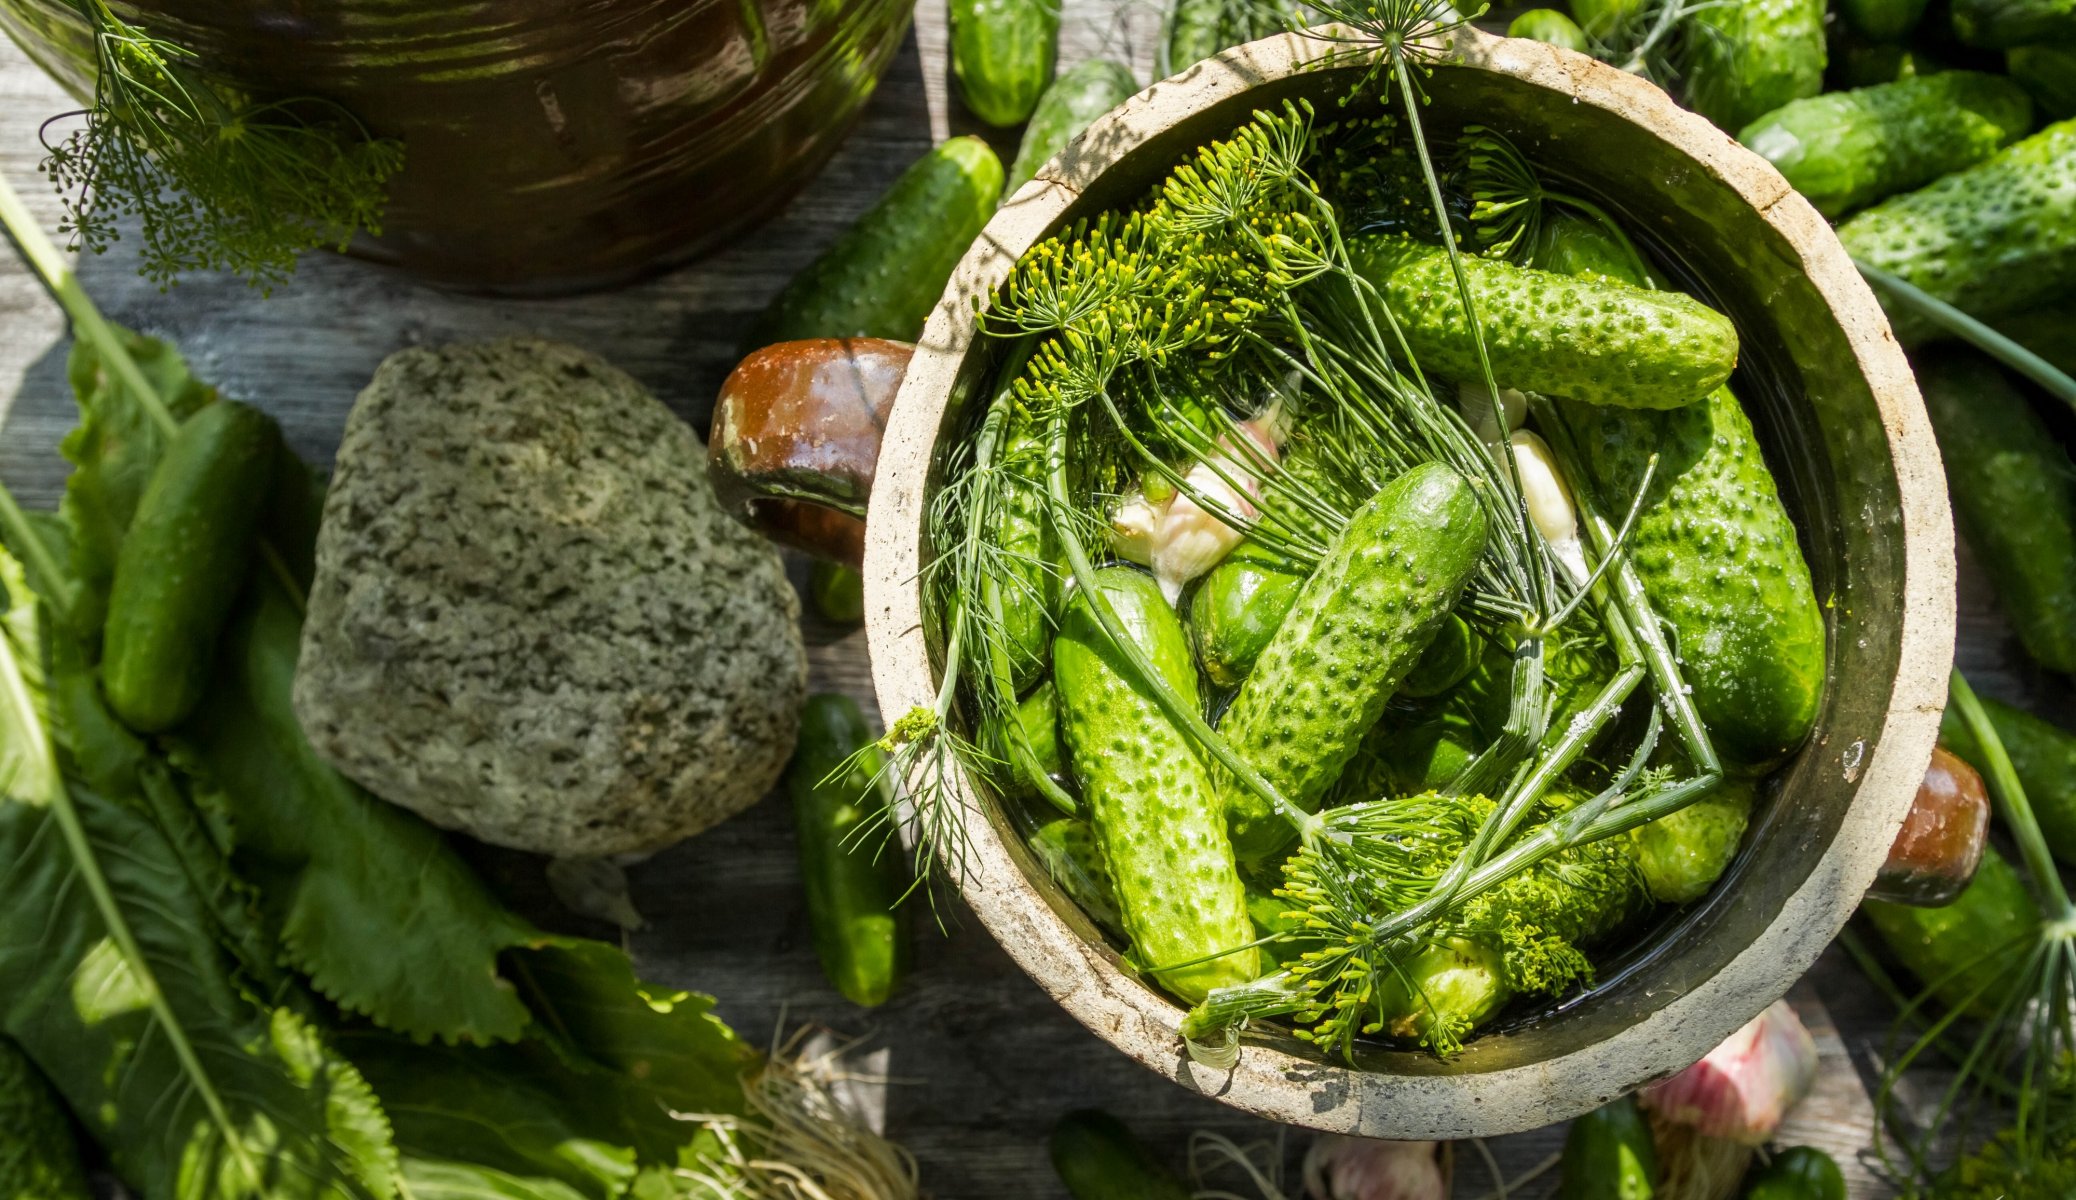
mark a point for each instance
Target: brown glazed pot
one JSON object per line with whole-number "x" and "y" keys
{"x": 1845, "y": 430}
{"x": 549, "y": 144}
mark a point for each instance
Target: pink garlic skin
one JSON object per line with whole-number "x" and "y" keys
{"x": 1743, "y": 1088}
{"x": 1338, "y": 1167}
{"x": 1183, "y": 540}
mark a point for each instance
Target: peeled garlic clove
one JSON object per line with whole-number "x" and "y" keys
{"x": 1474, "y": 401}
{"x": 1134, "y": 528}
{"x": 1743, "y": 1088}
{"x": 1338, "y": 1167}
{"x": 1191, "y": 540}
{"x": 1550, "y": 504}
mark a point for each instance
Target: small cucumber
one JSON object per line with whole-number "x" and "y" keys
{"x": 1083, "y": 92}
{"x": 1882, "y": 20}
{"x": 853, "y": 881}
{"x": 2014, "y": 497}
{"x": 1038, "y": 716}
{"x": 1099, "y": 1159}
{"x": 1683, "y": 854}
{"x": 1999, "y": 237}
{"x": 1360, "y": 623}
{"x": 1609, "y": 1155}
{"x": 1549, "y": 25}
{"x": 1066, "y": 847}
{"x": 2044, "y": 756}
{"x": 1034, "y": 577}
{"x": 1156, "y": 816}
{"x": 2005, "y": 24}
{"x": 1596, "y": 341}
{"x": 838, "y": 592}
{"x": 39, "y": 1157}
{"x": 1198, "y": 29}
{"x": 1713, "y": 544}
{"x": 883, "y": 275}
{"x": 1002, "y": 54}
{"x": 1237, "y": 608}
{"x": 1797, "y": 1173}
{"x": 2049, "y": 73}
{"x": 1845, "y": 150}
{"x": 1981, "y": 935}
{"x": 1448, "y": 660}
{"x": 1745, "y": 58}
{"x": 183, "y": 562}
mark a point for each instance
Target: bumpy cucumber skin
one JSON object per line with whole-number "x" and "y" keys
{"x": 853, "y": 884}
{"x": 1549, "y": 25}
{"x": 1039, "y": 716}
{"x": 1360, "y": 623}
{"x": 1156, "y": 815}
{"x": 1082, "y": 93}
{"x": 1882, "y": 20}
{"x": 1746, "y": 58}
{"x": 1944, "y": 948}
{"x": 39, "y": 1158}
{"x": 182, "y": 563}
{"x": 1002, "y": 54}
{"x": 1067, "y": 848}
{"x": 1996, "y": 238}
{"x": 1609, "y": 1155}
{"x": 1596, "y": 341}
{"x": 1845, "y": 150}
{"x": 1237, "y": 608}
{"x": 2014, "y": 497}
{"x": 2044, "y": 756}
{"x": 1099, "y": 1159}
{"x": 2003, "y": 24}
{"x": 1798, "y": 1173}
{"x": 883, "y": 275}
{"x": 1683, "y": 854}
{"x": 1714, "y": 546}
{"x": 1033, "y": 577}
{"x": 2049, "y": 73}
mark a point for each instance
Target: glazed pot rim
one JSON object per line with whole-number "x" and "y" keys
{"x": 1269, "y": 1080}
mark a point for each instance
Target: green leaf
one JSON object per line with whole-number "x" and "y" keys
{"x": 114, "y": 981}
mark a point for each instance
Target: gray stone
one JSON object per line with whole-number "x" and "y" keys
{"x": 531, "y": 621}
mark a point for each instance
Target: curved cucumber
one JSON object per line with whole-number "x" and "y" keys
{"x": 2014, "y": 497}
{"x": 1845, "y": 150}
{"x": 1609, "y": 1155}
{"x": 853, "y": 883}
{"x": 1999, "y": 237}
{"x": 1953, "y": 950}
{"x": 1597, "y": 341}
{"x": 183, "y": 563}
{"x": 1745, "y": 58}
{"x": 2004, "y": 24}
{"x": 1030, "y": 568}
{"x": 1713, "y": 545}
{"x": 1155, "y": 813}
{"x": 1099, "y": 1159}
{"x": 1682, "y": 854}
{"x": 1238, "y": 607}
{"x": 1082, "y": 93}
{"x": 883, "y": 275}
{"x": 1002, "y": 54}
{"x": 1359, "y": 625}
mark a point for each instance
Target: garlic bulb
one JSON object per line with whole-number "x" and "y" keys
{"x": 1338, "y": 1167}
{"x": 1743, "y": 1088}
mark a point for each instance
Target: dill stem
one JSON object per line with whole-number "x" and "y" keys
{"x": 56, "y": 590}
{"x": 2012, "y": 804}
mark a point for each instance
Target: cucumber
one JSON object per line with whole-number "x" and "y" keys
{"x": 2005, "y": 24}
{"x": 1066, "y": 847}
{"x": 1156, "y": 816}
{"x": 1882, "y": 20}
{"x": 1038, "y": 715}
{"x": 1683, "y": 854}
{"x": 1999, "y": 237}
{"x": 1609, "y": 1155}
{"x": 1033, "y": 576}
{"x": 1448, "y": 660}
{"x": 2044, "y": 756}
{"x": 39, "y": 1158}
{"x": 837, "y": 591}
{"x": 1845, "y": 150}
{"x": 1797, "y": 1173}
{"x": 1952, "y": 950}
{"x": 1099, "y": 1159}
{"x": 1713, "y": 545}
{"x": 883, "y": 275}
{"x": 2014, "y": 498}
{"x": 853, "y": 880}
{"x": 1083, "y": 92}
{"x": 2049, "y": 73}
{"x": 1198, "y": 29}
{"x": 1549, "y": 25}
{"x": 2048, "y": 330}
{"x": 1360, "y": 623}
{"x": 1002, "y": 54}
{"x": 1237, "y": 607}
{"x": 183, "y": 562}
{"x": 1604, "y": 19}
{"x": 1745, "y": 58}
{"x": 1592, "y": 340}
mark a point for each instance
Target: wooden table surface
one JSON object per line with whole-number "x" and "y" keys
{"x": 978, "y": 1062}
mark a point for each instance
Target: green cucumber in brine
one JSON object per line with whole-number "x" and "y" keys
{"x": 1549, "y": 25}
{"x": 2042, "y": 754}
{"x": 183, "y": 562}
{"x": 1361, "y": 622}
{"x": 1082, "y": 93}
{"x": 1002, "y": 54}
{"x": 2014, "y": 497}
{"x": 1984, "y": 934}
{"x": 1031, "y": 576}
{"x": 1997, "y": 238}
{"x": 1597, "y": 341}
{"x": 1609, "y": 1155}
{"x": 1156, "y": 815}
{"x": 853, "y": 880}
{"x": 1682, "y": 854}
{"x": 2004, "y": 24}
{"x": 1037, "y": 717}
{"x": 1745, "y": 58}
{"x": 883, "y": 275}
{"x": 1066, "y": 847}
{"x": 1237, "y": 607}
{"x": 1845, "y": 150}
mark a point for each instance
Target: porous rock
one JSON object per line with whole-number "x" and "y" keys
{"x": 531, "y": 622}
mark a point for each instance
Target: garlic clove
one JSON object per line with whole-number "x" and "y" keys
{"x": 1338, "y": 1167}
{"x": 1743, "y": 1089}
{"x": 1474, "y": 401}
{"x": 1135, "y": 527}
